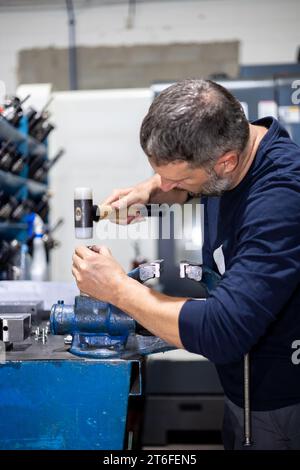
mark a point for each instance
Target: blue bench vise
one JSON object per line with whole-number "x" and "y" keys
{"x": 101, "y": 330}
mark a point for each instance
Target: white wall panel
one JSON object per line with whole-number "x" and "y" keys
{"x": 100, "y": 132}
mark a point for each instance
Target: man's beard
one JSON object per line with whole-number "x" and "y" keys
{"x": 215, "y": 186}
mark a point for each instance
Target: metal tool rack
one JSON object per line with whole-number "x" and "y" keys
{"x": 20, "y": 185}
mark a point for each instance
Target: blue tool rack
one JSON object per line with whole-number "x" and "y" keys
{"x": 20, "y": 185}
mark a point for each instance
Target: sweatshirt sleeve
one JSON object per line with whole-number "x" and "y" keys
{"x": 259, "y": 279}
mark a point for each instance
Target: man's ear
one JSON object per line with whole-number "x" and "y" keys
{"x": 227, "y": 163}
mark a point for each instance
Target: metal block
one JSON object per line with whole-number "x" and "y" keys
{"x": 17, "y": 327}
{"x": 32, "y": 307}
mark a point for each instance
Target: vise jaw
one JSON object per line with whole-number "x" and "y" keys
{"x": 208, "y": 278}
{"x": 191, "y": 271}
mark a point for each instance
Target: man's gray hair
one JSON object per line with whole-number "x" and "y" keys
{"x": 196, "y": 121}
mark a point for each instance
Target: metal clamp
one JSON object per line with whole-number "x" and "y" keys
{"x": 150, "y": 270}
{"x": 191, "y": 271}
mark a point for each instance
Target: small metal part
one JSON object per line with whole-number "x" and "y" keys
{"x": 68, "y": 339}
{"x": 44, "y": 336}
{"x": 191, "y": 271}
{"x": 150, "y": 270}
{"x": 41, "y": 334}
{"x": 37, "y": 333}
{"x": 47, "y": 328}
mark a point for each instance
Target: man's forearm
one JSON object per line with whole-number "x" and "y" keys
{"x": 157, "y": 312}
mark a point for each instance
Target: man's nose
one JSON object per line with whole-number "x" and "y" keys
{"x": 167, "y": 186}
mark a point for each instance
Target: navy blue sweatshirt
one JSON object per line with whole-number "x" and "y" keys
{"x": 256, "y": 307}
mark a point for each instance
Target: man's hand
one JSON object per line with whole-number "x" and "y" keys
{"x": 132, "y": 197}
{"x": 100, "y": 276}
{"x": 127, "y": 201}
{"x": 97, "y": 273}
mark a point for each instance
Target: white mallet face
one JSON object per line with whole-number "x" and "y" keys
{"x": 83, "y": 212}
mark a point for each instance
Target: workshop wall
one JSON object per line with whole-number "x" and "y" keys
{"x": 135, "y": 66}
{"x": 100, "y": 132}
{"x": 267, "y": 32}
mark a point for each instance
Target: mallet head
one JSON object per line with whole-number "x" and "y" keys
{"x": 83, "y": 212}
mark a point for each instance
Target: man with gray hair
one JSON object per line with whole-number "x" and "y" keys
{"x": 198, "y": 141}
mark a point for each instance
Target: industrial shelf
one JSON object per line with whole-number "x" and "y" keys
{"x": 13, "y": 225}
{"x": 14, "y": 230}
{"x": 20, "y": 186}
{"x": 12, "y": 183}
{"x": 12, "y": 134}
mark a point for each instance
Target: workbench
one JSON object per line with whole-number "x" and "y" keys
{"x": 51, "y": 399}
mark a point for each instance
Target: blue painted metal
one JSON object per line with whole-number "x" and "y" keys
{"x": 101, "y": 330}
{"x": 89, "y": 315}
{"x": 269, "y": 70}
{"x": 200, "y": 273}
{"x": 9, "y": 132}
{"x": 50, "y": 403}
{"x": 98, "y": 328}
{"x": 19, "y": 185}
{"x": 135, "y": 274}
{"x": 63, "y": 404}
